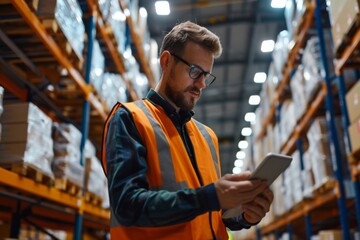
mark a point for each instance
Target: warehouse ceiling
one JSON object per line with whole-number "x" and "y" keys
{"x": 241, "y": 25}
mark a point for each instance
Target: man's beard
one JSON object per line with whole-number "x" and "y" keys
{"x": 178, "y": 97}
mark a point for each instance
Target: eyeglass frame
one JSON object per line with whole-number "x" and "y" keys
{"x": 192, "y": 66}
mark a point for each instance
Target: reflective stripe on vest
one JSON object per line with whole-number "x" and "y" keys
{"x": 208, "y": 138}
{"x": 163, "y": 148}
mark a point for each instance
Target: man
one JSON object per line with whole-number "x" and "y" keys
{"x": 163, "y": 166}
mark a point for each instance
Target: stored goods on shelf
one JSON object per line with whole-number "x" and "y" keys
{"x": 66, "y": 164}
{"x": 294, "y": 12}
{"x": 353, "y": 102}
{"x": 68, "y": 15}
{"x": 280, "y": 53}
{"x": 113, "y": 89}
{"x": 354, "y": 132}
{"x": 344, "y": 16}
{"x": 97, "y": 67}
{"x": 26, "y": 137}
{"x": 97, "y": 181}
{"x": 287, "y": 121}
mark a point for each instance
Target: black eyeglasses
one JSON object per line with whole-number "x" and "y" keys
{"x": 195, "y": 72}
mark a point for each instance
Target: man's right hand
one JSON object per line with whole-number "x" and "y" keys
{"x": 234, "y": 190}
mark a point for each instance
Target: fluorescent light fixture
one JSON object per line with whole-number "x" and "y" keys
{"x": 267, "y": 46}
{"x": 246, "y": 131}
{"x": 239, "y": 163}
{"x": 118, "y": 15}
{"x": 250, "y": 117}
{"x": 260, "y": 77}
{"x": 254, "y": 100}
{"x": 236, "y": 170}
{"x": 240, "y": 155}
{"x": 243, "y": 144}
{"x": 162, "y": 7}
{"x": 278, "y": 3}
{"x": 143, "y": 12}
{"x": 127, "y": 12}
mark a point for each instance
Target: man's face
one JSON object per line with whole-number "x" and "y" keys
{"x": 181, "y": 89}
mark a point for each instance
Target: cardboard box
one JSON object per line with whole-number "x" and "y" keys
{"x": 25, "y": 112}
{"x": 354, "y": 132}
{"x": 353, "y": 102}
{"x": 330, "y": 235}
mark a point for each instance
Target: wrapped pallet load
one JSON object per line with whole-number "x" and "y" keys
{"x": 26, "y": 137}
{"x": 66, "y": 164}
{"x": 97, "y": 181}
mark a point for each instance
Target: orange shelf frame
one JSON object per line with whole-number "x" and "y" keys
{"x": 29, "y": 186}
{"x": 300, "y": 41}
{"x": 137, "y": 42}
{"x": 302, "y": 125}
{"x": 306, "y": 208}
{"x": 349, "y": 50}
{"x": 48, "y": 41}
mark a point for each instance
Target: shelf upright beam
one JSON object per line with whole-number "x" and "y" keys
{"x": 48, "y": 41}
{"x": 330, "y": 116}
{"x": 308, "y": 226}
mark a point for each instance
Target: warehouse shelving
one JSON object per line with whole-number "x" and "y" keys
{"x": 346, "y": 60}
{"x": 290, "y": 64}
{"x": 311, "y": 206}
{"x": 46, "y": 202}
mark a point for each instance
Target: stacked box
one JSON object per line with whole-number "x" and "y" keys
{"x": 97, "y": 67}
{"x": 287, "y": 121}
{"x": 66, "y": 164}
{"x": 26, "y": 137}
{"x": 97, "y": 181}
{"x": 296, "y": 178}
{"x": 319, "y": 151}
{"x": 297, "y": 85}
{"x": 117, "y": 20}
{"x": 280, "y": 53}
{"x": 307, "y": 176}
{"x": 353, "y": 107}
{"x": 139, "y": 80}
{"x": 69, "y": 17}
{"x": 343, "y": 15}
{"x": 113, "y": 89}
{"x": 278, "y": 189}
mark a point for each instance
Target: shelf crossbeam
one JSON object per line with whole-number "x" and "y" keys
{"x": 349, "y": 50}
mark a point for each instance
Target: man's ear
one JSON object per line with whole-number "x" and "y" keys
{"x": 165, "y": 59}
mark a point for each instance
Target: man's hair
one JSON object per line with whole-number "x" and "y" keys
{"x": 182, "y": 33}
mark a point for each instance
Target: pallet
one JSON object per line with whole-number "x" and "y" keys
{"x": 93, "y": 199}
{"x": 30, "y": 171}
{"x": 66, "y": 185}
{"x": 327, "y": 186}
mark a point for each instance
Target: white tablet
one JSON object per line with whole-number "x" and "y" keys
{"x": 269, "y": 169}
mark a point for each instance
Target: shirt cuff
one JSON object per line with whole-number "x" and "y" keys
{"x": 207, "y": 198}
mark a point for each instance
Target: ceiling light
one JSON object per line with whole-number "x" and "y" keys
{"x": 240, "y": 155}
{"x": 267, "y": 46}
{"x": 254, "y": 100}
{"x": 162, "y": 7}
{"x": 236, "y": 170}
{"x": 243, "y": 144}
{"x": 143, "y": 12}
{"x": 250, "y": 117}
{"x": 260, "y": 77}
{"x": 246, "y": 131}
{"x": 239, "y": 163}
{"x": 278, "y": 3}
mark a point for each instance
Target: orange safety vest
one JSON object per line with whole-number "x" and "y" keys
{"x": 170, "y": 168}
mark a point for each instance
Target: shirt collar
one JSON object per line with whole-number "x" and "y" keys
{"x": 157, "y": 99}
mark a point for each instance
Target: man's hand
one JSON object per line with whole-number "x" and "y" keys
{"x": 234, "y": 190}
{"x": 254, "y": 211}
